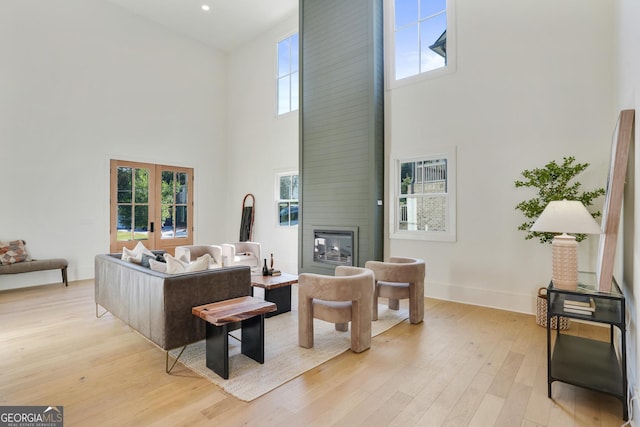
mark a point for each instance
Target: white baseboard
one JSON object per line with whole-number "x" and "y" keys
{"x": 511, "y": 301}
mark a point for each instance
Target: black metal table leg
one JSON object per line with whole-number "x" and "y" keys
{"x": 281, "y": 297}
{"x": 253, "y": 338}
{"x": 217, "y": 344}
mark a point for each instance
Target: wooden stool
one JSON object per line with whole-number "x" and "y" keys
{"x": 219, "y": 315}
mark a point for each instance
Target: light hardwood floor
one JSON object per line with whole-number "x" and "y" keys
{"x": 465, "y": 365}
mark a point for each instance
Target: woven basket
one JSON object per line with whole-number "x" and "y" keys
{"x": 541, "y": 313}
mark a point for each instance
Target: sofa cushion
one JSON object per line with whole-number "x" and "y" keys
{"x": 14, "y": 251}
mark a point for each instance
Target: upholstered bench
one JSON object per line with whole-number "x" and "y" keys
{"x": 37, "y": 265}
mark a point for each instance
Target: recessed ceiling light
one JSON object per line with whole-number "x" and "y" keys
{"x": 205, "y": 7}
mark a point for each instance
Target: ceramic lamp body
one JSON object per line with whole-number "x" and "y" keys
{"x": 565, "y": 262}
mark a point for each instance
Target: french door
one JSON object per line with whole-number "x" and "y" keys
{"x": 152, "y": 204}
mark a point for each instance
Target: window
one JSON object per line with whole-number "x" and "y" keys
{"x": 424, "y": 198}
{"x": 287, "y": 83}
{"x": 420, "y": 36}
{"x": 287, "y": 199}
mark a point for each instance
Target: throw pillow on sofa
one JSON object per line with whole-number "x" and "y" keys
{"x": 14, "y": 251}
{"x": 200, "y": 264}
{"x": 179, "y": 265}
{"x": 159, "y": 266}
{"x": 135, "y": 254}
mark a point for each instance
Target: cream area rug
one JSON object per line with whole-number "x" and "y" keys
{"x": 284, "y": 359}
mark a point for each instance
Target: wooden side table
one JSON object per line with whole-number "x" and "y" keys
{"x": 277, "y": 289}
{"x": 250, "y": 312}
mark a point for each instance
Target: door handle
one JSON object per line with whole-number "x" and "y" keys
{"x": 151, "y": 228}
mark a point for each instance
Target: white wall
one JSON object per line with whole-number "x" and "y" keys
{"x": 261, "y": 144}
{"x": 83, "y": 81}
{"x": 527, "y": 90}
{"x": 533, "y": 84}
{"x": 627, "y": 87}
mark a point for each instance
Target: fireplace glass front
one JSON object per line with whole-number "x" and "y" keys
{"x": 333, "y": 247}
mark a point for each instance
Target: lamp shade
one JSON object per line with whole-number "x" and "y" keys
{"x": 566, "y": 216}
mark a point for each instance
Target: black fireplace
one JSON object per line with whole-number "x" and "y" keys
{"x": 335, "y": 246}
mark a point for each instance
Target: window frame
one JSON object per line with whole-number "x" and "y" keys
{"x": 278, "y": 76}
{"x": 450, "y": 235}
{"x": 390, "y": 51}
{"x": 279, "y": 200}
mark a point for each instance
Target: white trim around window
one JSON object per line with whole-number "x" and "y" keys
{"x": 287, "y": 199}
{"x": 390, "y": 51}
{"x": 424, "y": 205}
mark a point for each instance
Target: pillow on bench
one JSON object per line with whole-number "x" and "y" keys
{"x": 14, "y": 251}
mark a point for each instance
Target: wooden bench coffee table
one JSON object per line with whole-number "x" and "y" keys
{"x": 219, "y": 315}
{"x": 277, "y": 289}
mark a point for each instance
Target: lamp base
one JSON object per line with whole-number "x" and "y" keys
{"x": 565, "y": 262}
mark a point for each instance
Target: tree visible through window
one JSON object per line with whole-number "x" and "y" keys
{"x": 420, "y": 36}
{"x": 288, "y": 74}
{"x": 287, "y": 203}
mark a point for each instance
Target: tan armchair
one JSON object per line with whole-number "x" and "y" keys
{"x": 193, "y": 252}
{"x": 340, "y": 299}
{"x": 400, "y": 278}
{"x": 242, "y": 253}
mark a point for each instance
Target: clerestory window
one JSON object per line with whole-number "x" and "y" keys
{"x": 422, "y": 36}
{"x": 287, "y": 75}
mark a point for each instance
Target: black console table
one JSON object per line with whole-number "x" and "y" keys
{"x": 584, "y": 362}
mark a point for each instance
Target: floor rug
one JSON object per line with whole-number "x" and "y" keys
{"x": 284, "y": 359}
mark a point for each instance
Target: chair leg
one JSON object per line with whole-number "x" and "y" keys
{"x": 394, "y": 304}
{"x": 305, "y": 322}
{"x": 416, "y": 303}
{"x": 360, "y": 327}
{"x": 342, "y": 327}
{"x": 374, "y": 311}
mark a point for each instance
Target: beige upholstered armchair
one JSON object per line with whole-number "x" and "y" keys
{"x": 193, "y": 252}
{"x": 400, "y": 278}
{"x": 242, "y": 253}
{"x": 340, "y": 299}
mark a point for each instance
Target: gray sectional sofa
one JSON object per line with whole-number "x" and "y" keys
{"x": 158, "y": 305}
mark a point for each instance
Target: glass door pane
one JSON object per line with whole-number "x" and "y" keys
{"x": 176, "y": 215}
{"x": 132, "y": 204}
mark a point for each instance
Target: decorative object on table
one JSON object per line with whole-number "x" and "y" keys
{"x": 553, "y": 182}
{"x": 579, "y": 304}
{"x": 265, "y": 269}
{"x": 613, "y": 199}
{"x": 565, "y": 216}
{"x": 541, "y": 313}
{"x": 271, "y": 263}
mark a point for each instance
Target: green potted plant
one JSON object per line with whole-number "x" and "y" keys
{"x": 553, "y": 182}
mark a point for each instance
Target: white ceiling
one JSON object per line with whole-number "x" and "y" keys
{"x": 227, "y": 24}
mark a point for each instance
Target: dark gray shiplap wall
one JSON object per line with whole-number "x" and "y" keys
{"x": 341, "y": 124}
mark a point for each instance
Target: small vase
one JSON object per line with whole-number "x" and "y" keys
{"x": 265, "y": 269}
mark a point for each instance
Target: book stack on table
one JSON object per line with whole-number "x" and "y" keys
{"x": 579, "y": 304}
